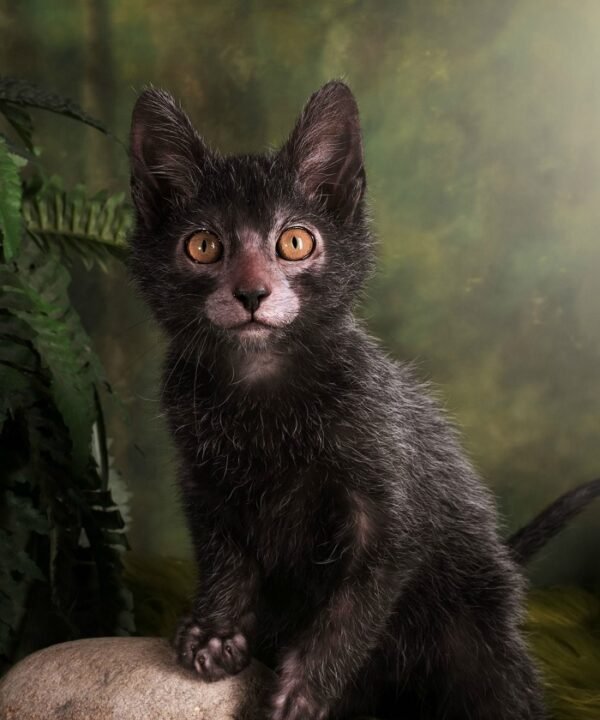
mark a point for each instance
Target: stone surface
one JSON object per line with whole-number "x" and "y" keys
{"x": 123, "y": 679}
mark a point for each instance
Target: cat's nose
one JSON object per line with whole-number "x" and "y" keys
{"x": 250, "y": 299}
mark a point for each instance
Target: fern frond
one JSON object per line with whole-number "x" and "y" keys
{"x": 10, "y": 203}
{"x": 37, "y": 293}
{"x": 26, "y": 94}
{"x": 20, "y": 121}
{"x": 92, "y": 229}
{"x": 62, "y": 533}
{"x": 20, "y": 156}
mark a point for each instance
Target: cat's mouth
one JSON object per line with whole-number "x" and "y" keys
{"x": 252, "y": 327}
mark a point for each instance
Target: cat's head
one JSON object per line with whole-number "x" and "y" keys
{"x": 250, "y": 253}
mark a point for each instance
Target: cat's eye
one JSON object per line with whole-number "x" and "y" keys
{"x": 204, "y": 247}
{"x": 295, "y": 244}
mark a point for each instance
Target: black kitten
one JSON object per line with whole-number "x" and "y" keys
{"x": 339, "y": 531}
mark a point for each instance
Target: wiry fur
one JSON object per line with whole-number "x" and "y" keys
{"x": 341, "y": 535}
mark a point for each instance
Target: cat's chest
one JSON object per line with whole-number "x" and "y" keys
{"x": 292, "y": 523}
{"x": 250, "y": 433}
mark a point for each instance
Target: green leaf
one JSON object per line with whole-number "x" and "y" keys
{"x": 19, "y": 156}
{"x": 92, "y": 229}
{"x": 26, "y": 94}
{"x": 20, "y": 121}
{"x": 100, "y": 443}
{"x": 37, "y": 293}
{"x": 10, "y": 203}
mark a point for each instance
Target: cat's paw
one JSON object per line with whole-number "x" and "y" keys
{"x": 294, "y": 699}
{"x": 298, "y": 704}
{"x": 212, "y": 655}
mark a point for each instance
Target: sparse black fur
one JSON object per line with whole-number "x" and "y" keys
{"x": 341, "y": 535}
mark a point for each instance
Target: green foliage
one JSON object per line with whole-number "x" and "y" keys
{"x": 62, "y": 533}
{"x": 564, "y": 629}
{"x": 10, "y": 202}
{"x": 16, "y": 94}
{"x": 88, "y": 229}
{"x": 35, "y": 290}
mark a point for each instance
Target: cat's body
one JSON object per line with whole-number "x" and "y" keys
{"x": 360, "y": 517}
{"x": 340, "y": 533}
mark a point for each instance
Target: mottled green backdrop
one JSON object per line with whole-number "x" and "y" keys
{"x": 482, "y": 133}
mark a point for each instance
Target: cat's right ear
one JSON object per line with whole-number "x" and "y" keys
{"x": 166, "y": 155}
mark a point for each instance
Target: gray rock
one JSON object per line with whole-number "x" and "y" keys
{"x": 123, "y": 679}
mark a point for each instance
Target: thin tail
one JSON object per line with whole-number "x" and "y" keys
{"x": 528, "y": 540}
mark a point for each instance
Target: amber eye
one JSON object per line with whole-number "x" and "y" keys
{"x": 295, "y": 244}
{"x": 204, "y": 247}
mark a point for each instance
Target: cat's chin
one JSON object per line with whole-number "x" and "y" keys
{"x": 252, "y": 330}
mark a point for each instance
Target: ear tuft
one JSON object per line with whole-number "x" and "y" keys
{"x": 325, "y": 149}
{"x": 166, "y": 154}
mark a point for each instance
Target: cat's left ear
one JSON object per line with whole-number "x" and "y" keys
{"x": 325, "y": 149}
{"x": 166, "y": 154}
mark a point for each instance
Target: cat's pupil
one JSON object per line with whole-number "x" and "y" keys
{"x": 204, "y": 245}
{"x": 295, "y": 242}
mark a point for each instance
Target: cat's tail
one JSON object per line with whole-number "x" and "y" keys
{"x": 528, "y": 540}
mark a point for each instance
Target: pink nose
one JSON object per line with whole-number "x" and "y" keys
{"x": 250, "y": 298}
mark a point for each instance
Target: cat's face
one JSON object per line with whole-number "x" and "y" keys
{"x": 253, "y": 252}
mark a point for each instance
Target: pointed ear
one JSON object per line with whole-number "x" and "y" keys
{"x": 166, "y": 155}
{"x": 325, "y": 149}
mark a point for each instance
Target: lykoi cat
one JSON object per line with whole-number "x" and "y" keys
{"x": 340, "y": 533}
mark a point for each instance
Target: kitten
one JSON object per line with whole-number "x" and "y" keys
{"x": 340, "y": 533}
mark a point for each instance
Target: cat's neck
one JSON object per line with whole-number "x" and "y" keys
{"x": 281, "y": 373}
{"x": 280, "y": 421}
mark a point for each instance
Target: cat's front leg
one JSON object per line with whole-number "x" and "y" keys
{"x": 327, "y": 656}
{"x": 215, "y": 638}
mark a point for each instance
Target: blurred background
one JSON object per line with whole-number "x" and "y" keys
{"x": 481, "y": 125}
